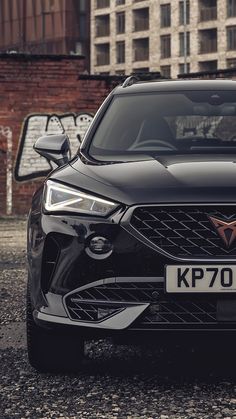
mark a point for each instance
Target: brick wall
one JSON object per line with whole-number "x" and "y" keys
{"x": 40, "y": 85}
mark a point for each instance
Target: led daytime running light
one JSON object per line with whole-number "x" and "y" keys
{"x": 56, "y": 200}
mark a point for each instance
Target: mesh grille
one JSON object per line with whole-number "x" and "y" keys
{"x": 164, "y": 310}
{"x": 180, "y": 313}
{"x": 131, "y": 292}
{"x": 185, "y": 232}
{"x": 82, "y": 312}
{"x": 89, "y": 312}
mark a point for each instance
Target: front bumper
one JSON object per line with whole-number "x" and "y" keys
{"x": 133, "y": 304}
{"x": 122, "y": 292}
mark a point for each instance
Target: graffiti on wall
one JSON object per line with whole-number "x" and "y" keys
{"x": 29, "y": 164}
{"x": 6, "y": 133}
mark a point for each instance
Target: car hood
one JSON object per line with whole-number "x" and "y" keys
{"x": 168, "y": 179}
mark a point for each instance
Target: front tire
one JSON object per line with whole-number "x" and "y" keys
{"x": 51, "y": 350}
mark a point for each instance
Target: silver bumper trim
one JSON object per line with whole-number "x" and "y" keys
{"x": 119, "y": 321}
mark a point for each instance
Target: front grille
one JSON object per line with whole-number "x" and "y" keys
{"x": 87, "y": 312}
{"x": 82, "y": 312}
{"x": 86, "y": 304}
{"x": 185, "y": 231}
{"x": 129, "y": 292}
{"x": 179, "y": 312}
{"x": 165, "y": 309}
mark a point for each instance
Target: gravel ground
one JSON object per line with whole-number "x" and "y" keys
{"x": 116, "y": 381}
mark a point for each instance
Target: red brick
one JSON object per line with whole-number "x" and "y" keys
{"x": 38, "y": 85}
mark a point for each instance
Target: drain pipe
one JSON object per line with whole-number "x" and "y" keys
{"x": 185, "y": 36}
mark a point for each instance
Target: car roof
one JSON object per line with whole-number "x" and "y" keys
{"x": 176, "y": 85}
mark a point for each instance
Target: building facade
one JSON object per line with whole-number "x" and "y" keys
{"x": 160, "y": 35}
{"x": 45, "y": 27}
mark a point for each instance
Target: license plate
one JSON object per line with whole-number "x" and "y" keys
{"x": 204, "y": 278}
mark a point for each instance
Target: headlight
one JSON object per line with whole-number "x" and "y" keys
{"x": 62, "y": 198}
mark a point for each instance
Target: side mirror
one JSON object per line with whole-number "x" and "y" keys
{"x": 55, "y": 148}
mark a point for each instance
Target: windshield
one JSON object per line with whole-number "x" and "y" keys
{"x": 163, "y": 123}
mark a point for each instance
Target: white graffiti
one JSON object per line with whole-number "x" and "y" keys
{"x": 29, "y": 164}
{"x": 7, "y": 133}
{"x": 197, "y": 125}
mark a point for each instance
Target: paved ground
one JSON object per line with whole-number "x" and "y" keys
{"x": 116, "y": 382}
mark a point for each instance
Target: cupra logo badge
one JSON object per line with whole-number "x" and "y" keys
{"x": 225, "y": 229}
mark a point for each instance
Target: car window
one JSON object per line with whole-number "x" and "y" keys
{"x": 157, "y": 123}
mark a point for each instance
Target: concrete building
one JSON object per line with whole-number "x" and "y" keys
{"x": 148, "y": 35}
{"x": 45, "y": 27}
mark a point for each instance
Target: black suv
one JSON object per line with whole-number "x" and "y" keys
{"x": 136, "y": 235}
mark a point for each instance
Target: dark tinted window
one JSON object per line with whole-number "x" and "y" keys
{"x": 165, "y": 15}
{"x": 198, "y": 121}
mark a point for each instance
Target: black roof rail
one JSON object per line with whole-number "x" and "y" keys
{"x": 130, "y": 80}
{"x": 147, "y": 76}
